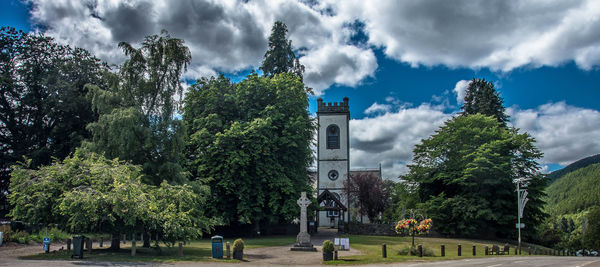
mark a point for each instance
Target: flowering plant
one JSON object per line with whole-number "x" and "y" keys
{"x": 410, "y": 226}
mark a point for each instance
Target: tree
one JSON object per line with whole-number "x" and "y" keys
{"x": 88, "y": 193}
{"x": 370, "y": 192}
{"x": 482, "y": 98}
{"x": 464, "y": 174}
{"x": 250, "y": 142}
{"x": 43, "y": 105}
{"x": 137, "y": 110}
{"x": 280, "y": 57}
{"x": 592, "y": 233}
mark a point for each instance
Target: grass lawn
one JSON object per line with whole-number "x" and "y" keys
{"x": 199, "y": 250}
{"x": 371, "y": 247}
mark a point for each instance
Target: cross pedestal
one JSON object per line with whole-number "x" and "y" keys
{"x": 303, "y": 238}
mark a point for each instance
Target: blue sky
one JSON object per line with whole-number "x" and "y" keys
{"x": 402, "y": 64}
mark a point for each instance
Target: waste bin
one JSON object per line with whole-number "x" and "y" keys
{"x": 217, "y": 246}
{"x": 46, "y": 244}
{"x": 78, "y": 246}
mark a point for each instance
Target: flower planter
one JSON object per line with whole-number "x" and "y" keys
{"x": 327, "y": 256}
{"x": 238, "y": 255}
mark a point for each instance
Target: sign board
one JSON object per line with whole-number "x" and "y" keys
{"x": 342, "y": 243}
{"x": 522, "y": 225}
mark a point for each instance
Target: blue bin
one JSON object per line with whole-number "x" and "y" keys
{"x": 217, "y": 246}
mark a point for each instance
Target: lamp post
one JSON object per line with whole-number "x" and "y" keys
{"x": 521, "y": 201}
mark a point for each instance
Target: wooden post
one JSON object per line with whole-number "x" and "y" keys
{"x": 335, "y": 255}
{"x": 384, "y": 250}
{"x": 474, "y": 248}
{"x": 89, "y": 242}
{"x": 69, "y": 244}
{"x": 443, "y": 252}
{"x": 124, "y": 236}
{"x": 516, "y": 251}
{"x": 133, "y": 247}
{"x": 228, "y": 245}
{"x": 180, "y": 251}
{"x": 420, "y": 250}
{"x": 487, "y": 250}
{"x": 459, "y": 248}
{"x": 101, "y": 241}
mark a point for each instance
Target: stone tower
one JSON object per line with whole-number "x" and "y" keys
{"x": 333, "y": 154}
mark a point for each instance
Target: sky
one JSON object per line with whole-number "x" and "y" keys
{"x": 404, "y": 65}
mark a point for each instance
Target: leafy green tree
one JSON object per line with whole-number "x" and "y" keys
{"x": 43, "y": 105}
{"x": 280, "y": 57}
{"x": 137, "y": 110}
{"x": 592, "y": 233}
{"x": 464, "y": 174}
{"x": 250, "y": 142}
{"x": 482, "y": 98}
{"x": 90, "y": 193}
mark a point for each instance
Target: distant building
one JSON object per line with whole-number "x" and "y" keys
{"x": 333, "y": 164}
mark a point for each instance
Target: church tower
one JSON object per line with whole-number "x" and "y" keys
{"x": 333, "y": 155}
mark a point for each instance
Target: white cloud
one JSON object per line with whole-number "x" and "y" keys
{"x": 563, "y": 133}
{"x": 223, "y": 36}
{"x": 389, "y": 138}
{"x": 378, "y": 108}
{"x": 460, "y": 90}
{"x": 501, "y": 35}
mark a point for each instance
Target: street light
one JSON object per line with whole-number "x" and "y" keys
{"x": 521, "y": 201}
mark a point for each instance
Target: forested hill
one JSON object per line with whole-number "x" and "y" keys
{"x": 575, "y": 191}
{"x": 582, "y": 163}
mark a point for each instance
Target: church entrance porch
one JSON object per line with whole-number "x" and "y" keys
{"x": 332, "y": 211}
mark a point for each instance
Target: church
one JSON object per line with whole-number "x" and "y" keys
{"x": 333, "y": 165}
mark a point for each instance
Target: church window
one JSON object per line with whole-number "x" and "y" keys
{"x": 333, "y": 175}
{"x": 333, "y": 137}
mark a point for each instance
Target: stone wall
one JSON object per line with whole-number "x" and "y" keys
{"x": 371, "y": 229}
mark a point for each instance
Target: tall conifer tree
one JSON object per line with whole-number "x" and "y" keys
{"x": 280, "y": 57}
{"x": 482, "y": 98}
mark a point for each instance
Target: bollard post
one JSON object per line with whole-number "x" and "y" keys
{"x": 69, "y": 244}
{"x": 459, "y": 250}
{"x": 133, "y": 247}
{"x": 443, "y": 248}
{"x": 228, "y": 250}
{"x": 89, "y": 245}
{"x": 335, "y": 255}
{"x": 516, "y": 251}
{"x": 487, "y": 250}
{"x": 101, "y": 241}
{"x": 420, "y": 250}
{"x": 474, "y": 249}
{"x": 384, "y": 250}
{"x": 124, "y": 241}
{"x": 180, "y": 251}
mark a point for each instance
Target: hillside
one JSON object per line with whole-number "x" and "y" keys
{"x": 575, "y": 191}
{"x": 582, "y": 163}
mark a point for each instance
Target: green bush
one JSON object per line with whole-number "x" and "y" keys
{"x": 414, "y": 251}
{"x": 328, "y": 246}
{"x": 238, "y": 245}
{"x": 20, "y": 237}
{"x": 54, "y": 234}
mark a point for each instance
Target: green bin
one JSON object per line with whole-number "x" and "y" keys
{"x": 78, "y": 246}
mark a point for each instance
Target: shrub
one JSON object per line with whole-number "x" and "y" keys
{"x": 328, "y": 246}
{"x": 20, "y": 237}
{"x": 238, "y": 245}
{"x": 414, "y": 251}
{"x": 54, "y": 234}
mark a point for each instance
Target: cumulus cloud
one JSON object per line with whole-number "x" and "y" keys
{"x": 223, "y": 36}
{"x": 389, "y": 138}
{"x": 564, "y": 133}
{"x": 501, "y": 35}
{"x": 378, "y": 108}
{"x": 460, "y": 90}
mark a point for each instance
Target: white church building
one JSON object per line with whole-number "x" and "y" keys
{"x": 333, "y": 165}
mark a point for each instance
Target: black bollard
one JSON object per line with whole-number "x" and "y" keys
{"x": 443, "y": 250}
{"x": 487, "y": 250}
{"x": 384, "y": 250}
{"x": 459, "y": 250}
{"x": 69, "y": 244}
{"x": 474, "y": 248}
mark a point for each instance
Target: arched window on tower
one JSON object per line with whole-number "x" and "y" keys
{"x": 333, "y": 137}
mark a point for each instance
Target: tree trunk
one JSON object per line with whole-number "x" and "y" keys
{"x": 115, "y": 243}
{"x": 146, "y": 240}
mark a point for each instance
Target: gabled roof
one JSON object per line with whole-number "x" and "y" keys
{"x": 329, "y": 197}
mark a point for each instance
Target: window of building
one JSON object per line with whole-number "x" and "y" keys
{"x": 333, "y": 213}
{"x": 333, "y": 137}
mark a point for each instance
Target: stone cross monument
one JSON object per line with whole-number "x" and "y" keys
{"x": 303, "y": 238}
